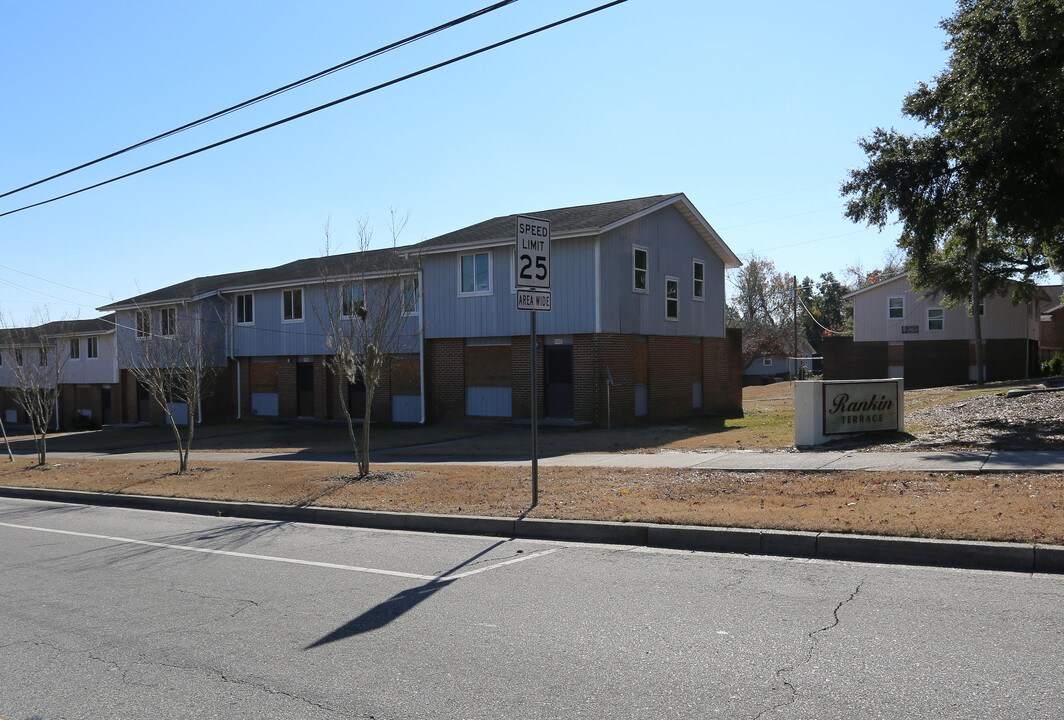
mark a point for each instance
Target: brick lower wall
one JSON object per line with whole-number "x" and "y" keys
{"x": 521, "y": 387}
{"x": 445, "y": 378}
{"x": 722, "y": 374}
{"x": 1010, "y": 360}
{"x": 670, "y": 371}
{"x": 845, "y": 359}
{"x": 934, "y": 363}
{"x": 1051, "y": 334}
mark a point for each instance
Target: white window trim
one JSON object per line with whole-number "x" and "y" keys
{"x": 302, "y": 310}
{"x": 766, "y": 361}
{"x": 137, "y": 314}
{"x": 943, "y": 318}
{"x": 402, "y": 299}
{"x": 87, "y": 342}
{"x": 343, "y": 297}
{"x": 676, "y": 280}
{"x": 491, "y": 273}
{"x": 896, "y": 297}
{"x": 71, "y": 345}
{"x": 236, "y": 305}
{"x": 646, "y": 271}
{"x": 162, "y": 325}
{"x": 694, "y": 280}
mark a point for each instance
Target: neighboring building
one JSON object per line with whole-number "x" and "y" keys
{"x": 83, "y": 353}
{"x": 638, "y": 298}
{"x": 1051, "y": 340}
{"x": 782, "y": 367}
{"x": 899, "y": 332}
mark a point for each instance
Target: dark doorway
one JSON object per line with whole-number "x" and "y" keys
{"x": 305, "y": 389}
{"x": 558, "y": 380}
{"x": 105, "y": 406}
{"x": 143, "y": 403}
{"x": 356, "y": 399}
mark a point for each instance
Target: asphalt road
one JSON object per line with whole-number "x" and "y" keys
{"x": 134, "y": 614}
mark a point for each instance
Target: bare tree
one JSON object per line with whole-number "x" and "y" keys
{"x": 169, "y": 352}
{"x": 365, "y": 300}
{"x": 34, "y": 369}
{"x": 761, "y": 306}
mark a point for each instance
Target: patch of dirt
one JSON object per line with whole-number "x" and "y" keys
{"x": 1026, "y": 422}
{"x": 1013, "y": 507}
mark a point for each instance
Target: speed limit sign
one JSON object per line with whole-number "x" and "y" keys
{"x": 533, "y": 253}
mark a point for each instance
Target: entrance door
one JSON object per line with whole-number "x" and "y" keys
{"x": 558, "y": 379}
{"x": 105, "y": 406}
{"x": 305, "y": 389}
{"x": 143, "y": 403}
{"x": 356, "y": 399}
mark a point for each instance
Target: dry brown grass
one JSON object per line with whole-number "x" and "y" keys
{"x": 1025, "y": 508}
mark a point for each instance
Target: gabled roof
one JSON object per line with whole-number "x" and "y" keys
{"x": 873, "y": 286}
{"x": 307, "y": 270}
{"x": 580, "y": 221}
{"x": 26, "y": 336}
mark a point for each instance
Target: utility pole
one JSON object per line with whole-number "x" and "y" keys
{"x": 794, "y": 311}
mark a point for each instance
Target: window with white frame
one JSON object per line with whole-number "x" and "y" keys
{"x": 354, "y": 297}
{"x": 18, "y": 356}
{"x": 143, "y": 321}
{"x": 75, "y": 348}
{"x": 698, "y": 285}
{"x": 293, "y": 305}
{"x": 640, "y": 261}
{"x": 896, "y": 308}
{"x": 92, "y": 348}
{"x": 936, "y": 319}
{"x": 245, "y": 309}
{"x": 766, "y": 361}
{"x": 168, "y": 322}
{"x": 411, "y": 296}
{"x": 474, "y": 271}
{"x": 982, "y": 308}
{"x": 672, "y": 298}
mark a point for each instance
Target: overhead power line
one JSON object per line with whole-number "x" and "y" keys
{"x": 327, "y": 105}
{"x": 272, "y": 93}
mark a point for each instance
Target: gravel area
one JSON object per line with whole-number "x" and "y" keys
{"x": 993, "y": 422}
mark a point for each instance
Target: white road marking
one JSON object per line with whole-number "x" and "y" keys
{"x": 293, "y": 561}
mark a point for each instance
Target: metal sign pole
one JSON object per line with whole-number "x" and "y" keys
{"x": 535, "y": 422}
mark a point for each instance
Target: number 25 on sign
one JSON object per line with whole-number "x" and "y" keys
{"x": 533, "y": 253}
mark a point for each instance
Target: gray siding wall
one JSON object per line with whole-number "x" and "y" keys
{"x": 270, "y": 335}
{"x": 85, "y": 371}
{"x": 672, "y": 246}
{"x": 447, "y": 314}
{"x": 1001, "y": 319}
{"x": 210, "y": 313}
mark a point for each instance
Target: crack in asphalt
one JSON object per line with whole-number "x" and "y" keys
{"x": 787, "y": 669}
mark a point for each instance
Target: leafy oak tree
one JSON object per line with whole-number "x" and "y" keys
{"x": 978, "y": 196}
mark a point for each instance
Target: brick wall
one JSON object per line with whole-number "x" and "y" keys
{"x": 287, "y": 404}
{"x": 722, "y": 374}
{"x": 1052, "y": 335}
{"x": 446, "y": 378}
{"x": 488, "y": 365}
{"x": 845, "y": 359}
{"x": 670, "y": 365}
{"x": 933, "y": 363}
{"x": 1010, "y": 360}
{"x": 521, "y": 387}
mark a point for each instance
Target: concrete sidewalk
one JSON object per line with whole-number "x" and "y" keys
{"x": 930, "y": 461}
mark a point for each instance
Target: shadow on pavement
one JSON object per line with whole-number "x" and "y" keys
{"x": 397, "y": 605}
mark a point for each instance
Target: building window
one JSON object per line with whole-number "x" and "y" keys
{"x": 168, "y": 322}
{"x": 699, "y": 284}
{"x": 293, "y": 305}
{"x": 245, "y": 309}
{"x": 42, "y": 356}
{"x": 640, "y": 257}
{"x": 672, "y": 298}
{"x": 936, "y": 319}
{"x": 411, "y": 296}
{"x": 352, "y": 298}
{"x": 75, "y": 348}
{"x": 896, "y": 308}
{"x": 475, "y": 270}
{"x": 766, "y": 361}
{"x": 143, "y": 324}
{"x": 982, "y": 308}
{"x": 18, "y": 356}
{"x": 92, "y": 348}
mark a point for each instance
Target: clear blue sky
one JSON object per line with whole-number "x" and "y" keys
{"x": 753, "y": 110}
